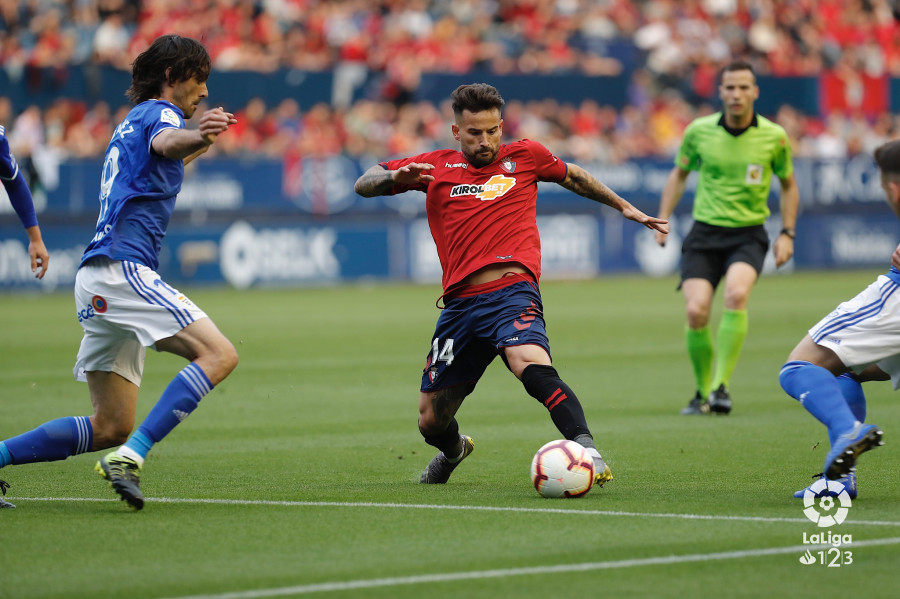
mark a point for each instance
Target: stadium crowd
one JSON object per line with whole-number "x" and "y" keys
{"x": 683, "y": 37}
{"x": 672, "y": 48}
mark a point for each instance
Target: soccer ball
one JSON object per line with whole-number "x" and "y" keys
{"x": 562, "y": 469}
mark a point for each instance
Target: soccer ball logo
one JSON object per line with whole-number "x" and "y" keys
{"x": 562, "y": 469}
{"x": 820, "y": 505}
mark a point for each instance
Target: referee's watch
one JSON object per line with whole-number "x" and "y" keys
{"x": 789, "y": 232}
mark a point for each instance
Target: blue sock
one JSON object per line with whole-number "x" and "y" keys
{"x": 179, "y": 399}
{"x": 51, "y": 441}
{"x": 852, "y": 391}
{"x": 818, "y": 391}
{"x": 5, "y": 458}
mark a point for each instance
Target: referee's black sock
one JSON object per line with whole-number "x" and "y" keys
{"x": 543, "y": 383}
{"x": 448, "y": 441}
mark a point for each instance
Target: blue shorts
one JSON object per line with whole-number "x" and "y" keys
{"x": 471, "y": 331}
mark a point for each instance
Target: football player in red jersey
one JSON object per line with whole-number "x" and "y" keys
{"x": 480, "y": 202}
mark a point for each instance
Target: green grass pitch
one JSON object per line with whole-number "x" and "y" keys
{"x": 298, "y": 476}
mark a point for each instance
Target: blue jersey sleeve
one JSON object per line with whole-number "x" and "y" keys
{"x": 159, "y": 117}
{"x": 14, "y": 183}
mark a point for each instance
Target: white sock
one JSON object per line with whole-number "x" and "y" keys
{"x": 127, "y": 452}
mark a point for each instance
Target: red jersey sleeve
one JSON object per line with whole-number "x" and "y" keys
{"x": 392, "y": 165}
{"x": 547, "y": 166}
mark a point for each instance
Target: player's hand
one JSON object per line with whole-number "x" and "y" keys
{"x": 895, "y": 258}
{"x": 784, "y": 250}
{"x": 213, "y": 122}
{"x": 414, "y": 172}
{"x": 40, "y": 258}
{"x": 661, "y": 238}
{"x": 651, "y": 222}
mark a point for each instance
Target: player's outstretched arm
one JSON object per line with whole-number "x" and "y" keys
{"x": 895, "y": 258}
{"x": 378, "y": 180}
{"x": 187, "y": 144}
{"x": 23, "y": 204}
{"x": 584, "y": 184}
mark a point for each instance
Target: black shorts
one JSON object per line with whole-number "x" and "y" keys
{"x": 709, "y": 250}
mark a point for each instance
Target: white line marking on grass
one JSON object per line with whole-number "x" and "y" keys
{"x": 509, "y": 572}
{"x": 475, "y": 508}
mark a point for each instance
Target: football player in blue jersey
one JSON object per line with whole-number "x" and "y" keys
{"x": 121, "y": 302}
{"x": 20, "y": 197}
{"x": 857, "y": 342}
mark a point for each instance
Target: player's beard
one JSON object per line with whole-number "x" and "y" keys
{"x": 479, "y": 161}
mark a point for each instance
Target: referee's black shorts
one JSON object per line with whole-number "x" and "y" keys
{"x": 709, "y": 250}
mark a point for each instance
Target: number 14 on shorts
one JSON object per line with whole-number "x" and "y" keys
{"x": 442, "y": 354}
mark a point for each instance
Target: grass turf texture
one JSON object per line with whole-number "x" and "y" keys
{"x": 323, "y": 406}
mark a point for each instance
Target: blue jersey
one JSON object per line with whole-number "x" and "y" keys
{"x": 8, "y": 167}
{"x": 137, "y": 187}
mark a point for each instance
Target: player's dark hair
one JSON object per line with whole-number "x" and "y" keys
{"x": 737, "y": 65}
{"x": 887, "y": 157}
{"x": 182, "y": 57}
{"x": 475, "y": 97}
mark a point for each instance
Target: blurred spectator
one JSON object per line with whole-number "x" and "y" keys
{"x": 830, "y": 144}
{"x": 111, "y": 41}
{"x": 53, "y": 48}
{"x": 254, "y": 130}
{"x": 26, "y": 140}
{"x": 286, "y": 127}
{"x": 350, "y": 33}
{"x": 88, "y": 137}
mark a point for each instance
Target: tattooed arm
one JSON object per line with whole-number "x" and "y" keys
{"x": 378, "y": 180}
{"x": 584, "y": 184}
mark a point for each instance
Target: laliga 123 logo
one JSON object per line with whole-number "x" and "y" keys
{"x": 826, "y": 502}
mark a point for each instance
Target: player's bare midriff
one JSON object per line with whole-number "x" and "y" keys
{"x": 492, "y": 272}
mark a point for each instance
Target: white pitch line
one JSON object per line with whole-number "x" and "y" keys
{"x": 476, "y": 508}
{"x": 509, "y": 572}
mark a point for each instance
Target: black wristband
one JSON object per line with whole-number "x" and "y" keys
{"x": 789, "y": 232}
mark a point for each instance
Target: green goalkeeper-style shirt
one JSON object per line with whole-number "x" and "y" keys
{"x": 735, "y": 171}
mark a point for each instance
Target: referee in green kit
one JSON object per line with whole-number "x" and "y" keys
{"x": 736, "y": 152}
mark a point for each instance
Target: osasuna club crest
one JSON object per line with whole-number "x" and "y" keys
{"x": 508, "y": 165}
